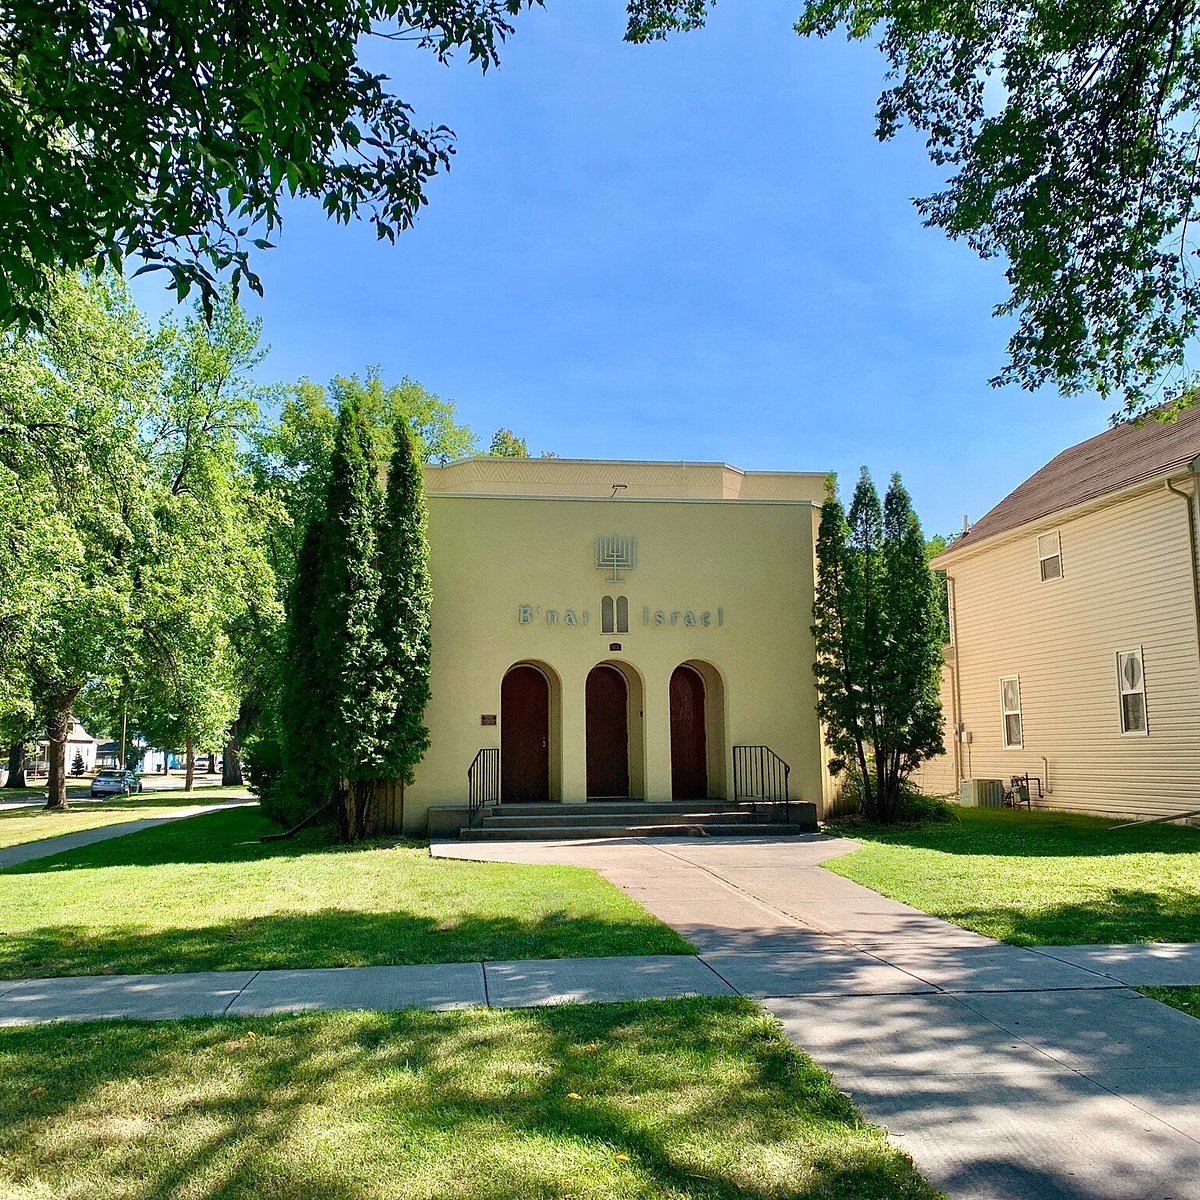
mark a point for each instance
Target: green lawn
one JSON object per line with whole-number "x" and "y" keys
{"x": 1040, "y": 878}
{"x": 21, "y": 825}
{"x": 204, "y": 894}
{"x": 1186, "y": 999}
{"x": 651, "y": 1101}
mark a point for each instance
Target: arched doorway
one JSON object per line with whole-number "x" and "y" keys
{"x": 689, "y": 738}
{"x": 607, "y": 705}
{"x": 524, "y": 736}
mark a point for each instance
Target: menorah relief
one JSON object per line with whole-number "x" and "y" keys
{"x": 616, "y": 554}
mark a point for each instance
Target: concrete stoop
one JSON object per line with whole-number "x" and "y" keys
{"x": 637, "y": 819}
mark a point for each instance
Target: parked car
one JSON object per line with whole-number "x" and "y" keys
{"x": 115, "y": 783}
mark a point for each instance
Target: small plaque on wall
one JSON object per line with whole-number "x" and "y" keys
{"x": 487, "y": 719}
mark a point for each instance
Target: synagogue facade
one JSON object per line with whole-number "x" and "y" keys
{"x": 616, "y": 630}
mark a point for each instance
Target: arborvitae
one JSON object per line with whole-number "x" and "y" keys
{"x": 346, "y": 615}
{"x": 404, "y": 601}
{"x": 305, "y": 782}
{"x": 77, "y": 764}
{"x": 910, "y": 673}
{"x": 878, "y": 635}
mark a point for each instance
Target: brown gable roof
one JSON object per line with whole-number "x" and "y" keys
{"x": 1109, "y": 462}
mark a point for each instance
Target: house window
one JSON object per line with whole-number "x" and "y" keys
{"x": 1131, "y": 691}
{"x": 1010, "y": 712}
{"x": 614, "y": 617}
{"x": 1050, "y": 556}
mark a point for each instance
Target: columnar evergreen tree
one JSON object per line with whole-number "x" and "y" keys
{"x": 405, "y": 596}
{"x": 878, "y": 631}
{"x": 347, "y": 643}
{"x": 301, "y": 781}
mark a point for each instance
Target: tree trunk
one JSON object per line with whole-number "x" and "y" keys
{"x": 190, "y": 776}
{"x": 57, "y": 730}
{"x": 231, "y": 763}
{"x": 166, "y": 762}
{"x": 16, "y": 766}
{"x": 364, "y": 792}
{"x": 212, "y": 763}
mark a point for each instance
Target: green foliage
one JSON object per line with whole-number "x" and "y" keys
{"x": 347, "y": 646}
{"x": 293, "y": 771}
{"x": 1069, "y": 137}
{"x": 405, "y": 596}
{"x": 914, "y": 806}
{"x": 506, "y": 444}
{"x": 77, "y": 499}
{"x": 140, "y": 585}
{"x": 292, "y": 455}
{"x": 172, "y": 134}
{"x": 878, "y": 631}
{"x": 77, "y": 764}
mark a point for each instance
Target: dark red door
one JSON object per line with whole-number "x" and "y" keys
{"x": 524, "y": 736}
{"x": 689, "y": 749}
{"x": 607, "y": 702}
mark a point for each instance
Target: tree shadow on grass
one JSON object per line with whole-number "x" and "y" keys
{"x": 224, "y": 836}
{"x": 1037, "y": 834}
{"x": 328, "y": 937}
{"x": 681, "y": 1098}
{"x": 1109, "y": 916}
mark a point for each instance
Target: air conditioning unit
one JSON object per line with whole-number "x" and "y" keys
{"x": 981, "y": 793}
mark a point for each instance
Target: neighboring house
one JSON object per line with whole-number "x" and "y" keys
{"x": 79, "y": 741}
{"x": 1074, "y": 649}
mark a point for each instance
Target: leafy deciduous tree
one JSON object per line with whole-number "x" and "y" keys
{"x": 171, "y": 133}
{"x": 1070, "y": 137}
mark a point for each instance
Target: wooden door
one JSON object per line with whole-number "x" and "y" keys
{"x": 607, "y": 702}
{"x": 524, "y": 737}
{"x": 689, "y": 744}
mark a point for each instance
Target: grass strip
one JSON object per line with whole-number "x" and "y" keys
{"x": 648, "y": 1101}
{"x": 1039, "y": 878}
{"x": 205, "y": 894}
{"x": 1186, "y": 999}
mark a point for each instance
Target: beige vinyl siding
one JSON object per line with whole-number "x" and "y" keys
{"x": 1126, "y": 583}
{"x": 938, "y": 776}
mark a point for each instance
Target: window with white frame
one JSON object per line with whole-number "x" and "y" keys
{"x": 1010, "y": 713}
{"x": 1050, "y": 556}
{"x": 1131, "y": 691}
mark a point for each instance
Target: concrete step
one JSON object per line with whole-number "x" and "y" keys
{"x": 635, "y": 808}
{"x": 505, "y": 821}
{"x": 557, "y": 833}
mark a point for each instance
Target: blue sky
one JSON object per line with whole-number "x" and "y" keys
{"x": 690, "y": 250}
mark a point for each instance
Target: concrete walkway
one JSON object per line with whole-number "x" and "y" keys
{"x": 1007, "y": 1073}
{"x": 47, "y": 847}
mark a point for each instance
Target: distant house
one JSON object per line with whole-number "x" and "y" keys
{"x": 1074, "y": 649}
{"x": 79, "y": 741}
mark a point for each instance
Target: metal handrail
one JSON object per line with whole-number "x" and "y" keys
{"x": 760, "y": 774}
{"x": 483, "y": 782}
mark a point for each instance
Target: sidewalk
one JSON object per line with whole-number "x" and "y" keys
{"x": 1007, "y": 1073}
{"x": 47, "y": 847}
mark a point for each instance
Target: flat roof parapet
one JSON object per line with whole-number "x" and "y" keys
{"x": 574, "y": 478}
